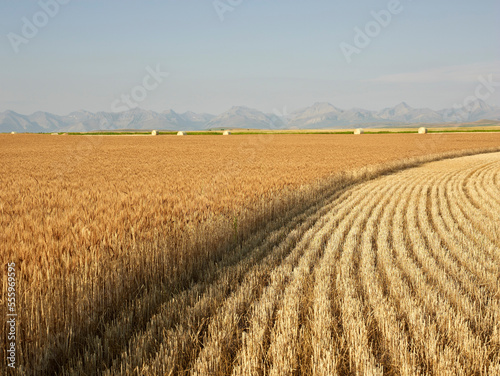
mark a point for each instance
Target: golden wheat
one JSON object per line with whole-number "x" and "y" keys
{"x": 132, "y": 260}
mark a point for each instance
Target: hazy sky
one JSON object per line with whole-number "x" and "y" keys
{"x": 88, "y": 54}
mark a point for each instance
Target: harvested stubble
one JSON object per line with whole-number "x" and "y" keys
{"x": 132, "y": 258}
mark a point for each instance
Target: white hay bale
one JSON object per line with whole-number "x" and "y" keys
{"x": 226, "y": 133}
{"x": 422, "y": 130}
{"x": 181, "y": 133}
{"x": 12, "y": 132}
{"x": 55, "y": 134}
{"x": 155, "y": 133}
{"x": 359, "y": 131}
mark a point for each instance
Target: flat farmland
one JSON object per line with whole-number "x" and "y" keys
{"x": 253, "y": 254}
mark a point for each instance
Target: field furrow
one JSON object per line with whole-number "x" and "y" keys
{"x": 355, "y": 323}
{"x": 457, "y": 276}
{"x": 475, "y": 195}
{"x": 483, "y": 192}
{"x": 390, "y": 340}
{"x": 459, "y": 229}
{"x": 401, "y": 312}
{"x": 326, "y": 328}
{"x": 487, "y": 178}
{"x": 253, "y": 358}
{"x": 458, "y": 217}
{"x": 482, "y": 218}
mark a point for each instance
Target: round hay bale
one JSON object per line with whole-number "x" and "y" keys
{"x": 55, "y": 134}
{"x": 226, "y": 133}
{"x": 12, "y": 132}
{"x": 155, "y": 133}
{"x": 422, "y": 130}
{"x": 181, "y": 133}
{"x": 359, "y": 131}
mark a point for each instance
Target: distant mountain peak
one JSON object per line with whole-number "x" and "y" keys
{"x": 10, "y": 112}
{"x": 170, "y": 112}
{"x": 319, "y": 109}
{"x": 245, "y": 117}
{"x": 241, "y": 108}
{"x": 403, "y": 105}
{"x": 318, "y": 115}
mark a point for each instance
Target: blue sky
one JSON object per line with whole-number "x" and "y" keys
{"x": 262, "y": 54}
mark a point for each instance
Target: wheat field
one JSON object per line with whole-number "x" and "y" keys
{"x": 398, "y": 275}
{"x": 135, "y": 258}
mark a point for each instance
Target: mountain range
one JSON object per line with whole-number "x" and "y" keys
{"x": 317, "y": 116}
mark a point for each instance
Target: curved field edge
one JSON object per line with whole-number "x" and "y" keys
{"x": 121, "y": 306}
